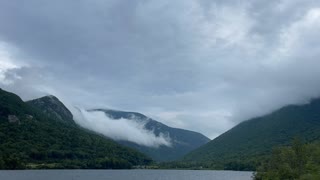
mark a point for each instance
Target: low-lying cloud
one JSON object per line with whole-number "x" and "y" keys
{"x": 120, "y": 129}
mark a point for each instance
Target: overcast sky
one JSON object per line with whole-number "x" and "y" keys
{"x": 203, "y": 65}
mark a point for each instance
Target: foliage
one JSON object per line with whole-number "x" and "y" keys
{"x": 297, "y": 162}
{"x": 46, "y": 142}
{"x": 13, "y": 162}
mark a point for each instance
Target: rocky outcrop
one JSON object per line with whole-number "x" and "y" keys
{"x": 52, "y": 107}
{"x": 13, "y": 119}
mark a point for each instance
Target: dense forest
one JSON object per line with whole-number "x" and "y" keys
{"x": 31, "y": 139}
{"x": 297, "y": 162}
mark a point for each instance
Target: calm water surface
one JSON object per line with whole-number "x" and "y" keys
{"x": 123, "y": 175}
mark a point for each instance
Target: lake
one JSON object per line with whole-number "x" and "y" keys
{"x": 123, "y": 175}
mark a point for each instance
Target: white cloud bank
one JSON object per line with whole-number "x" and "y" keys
{"x": 120, "y": 129}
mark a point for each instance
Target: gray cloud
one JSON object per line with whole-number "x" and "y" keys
{"x": 201, "y": 65}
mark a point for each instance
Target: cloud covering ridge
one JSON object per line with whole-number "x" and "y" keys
{"x": 121, "y": 129}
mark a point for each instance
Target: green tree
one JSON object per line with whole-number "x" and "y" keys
{"x": 300, "y": 157}
{"x": 298, "y": 162}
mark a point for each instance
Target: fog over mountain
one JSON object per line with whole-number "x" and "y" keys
{"x": 121, "y": 129}
{"x": 202, "y": 65}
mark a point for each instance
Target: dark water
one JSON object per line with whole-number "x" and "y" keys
{"x": 123, "y": 175}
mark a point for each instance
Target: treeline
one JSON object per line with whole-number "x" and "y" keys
{"x": 297, "y": 162}
{"x": 236, "y": 165}
{"x": 15, "y": 162}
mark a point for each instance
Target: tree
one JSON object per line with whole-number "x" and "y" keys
{"x": 298, "y": 162}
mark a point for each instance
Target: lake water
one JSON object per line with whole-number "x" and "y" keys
{"x": 123, "y": 175}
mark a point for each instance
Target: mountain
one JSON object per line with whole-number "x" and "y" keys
{"x": 32, "y": 136}
{"x": 243, "y": 146}
{"x": 53, "y": 108}
{"x": 183, "y": 141}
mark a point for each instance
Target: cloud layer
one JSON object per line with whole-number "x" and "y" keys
{"x": 202, "y": 65}
{"x": 121, "y": 129}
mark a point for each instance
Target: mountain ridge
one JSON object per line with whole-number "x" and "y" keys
{"x": 183, "y": 141}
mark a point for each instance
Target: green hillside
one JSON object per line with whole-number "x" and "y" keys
{"x": 247, "y": 144}
{"x": 182, "y": 141}
{"x": 30, "y": 138}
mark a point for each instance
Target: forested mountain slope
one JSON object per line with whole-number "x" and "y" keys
{"x": 30, "y": 138}
{"x": 244, "y": 145}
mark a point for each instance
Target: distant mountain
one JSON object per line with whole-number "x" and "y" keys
{"x": 36, "y": 135}
{"x": 183, "y": 141}
{"x": 244, "y": 145}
